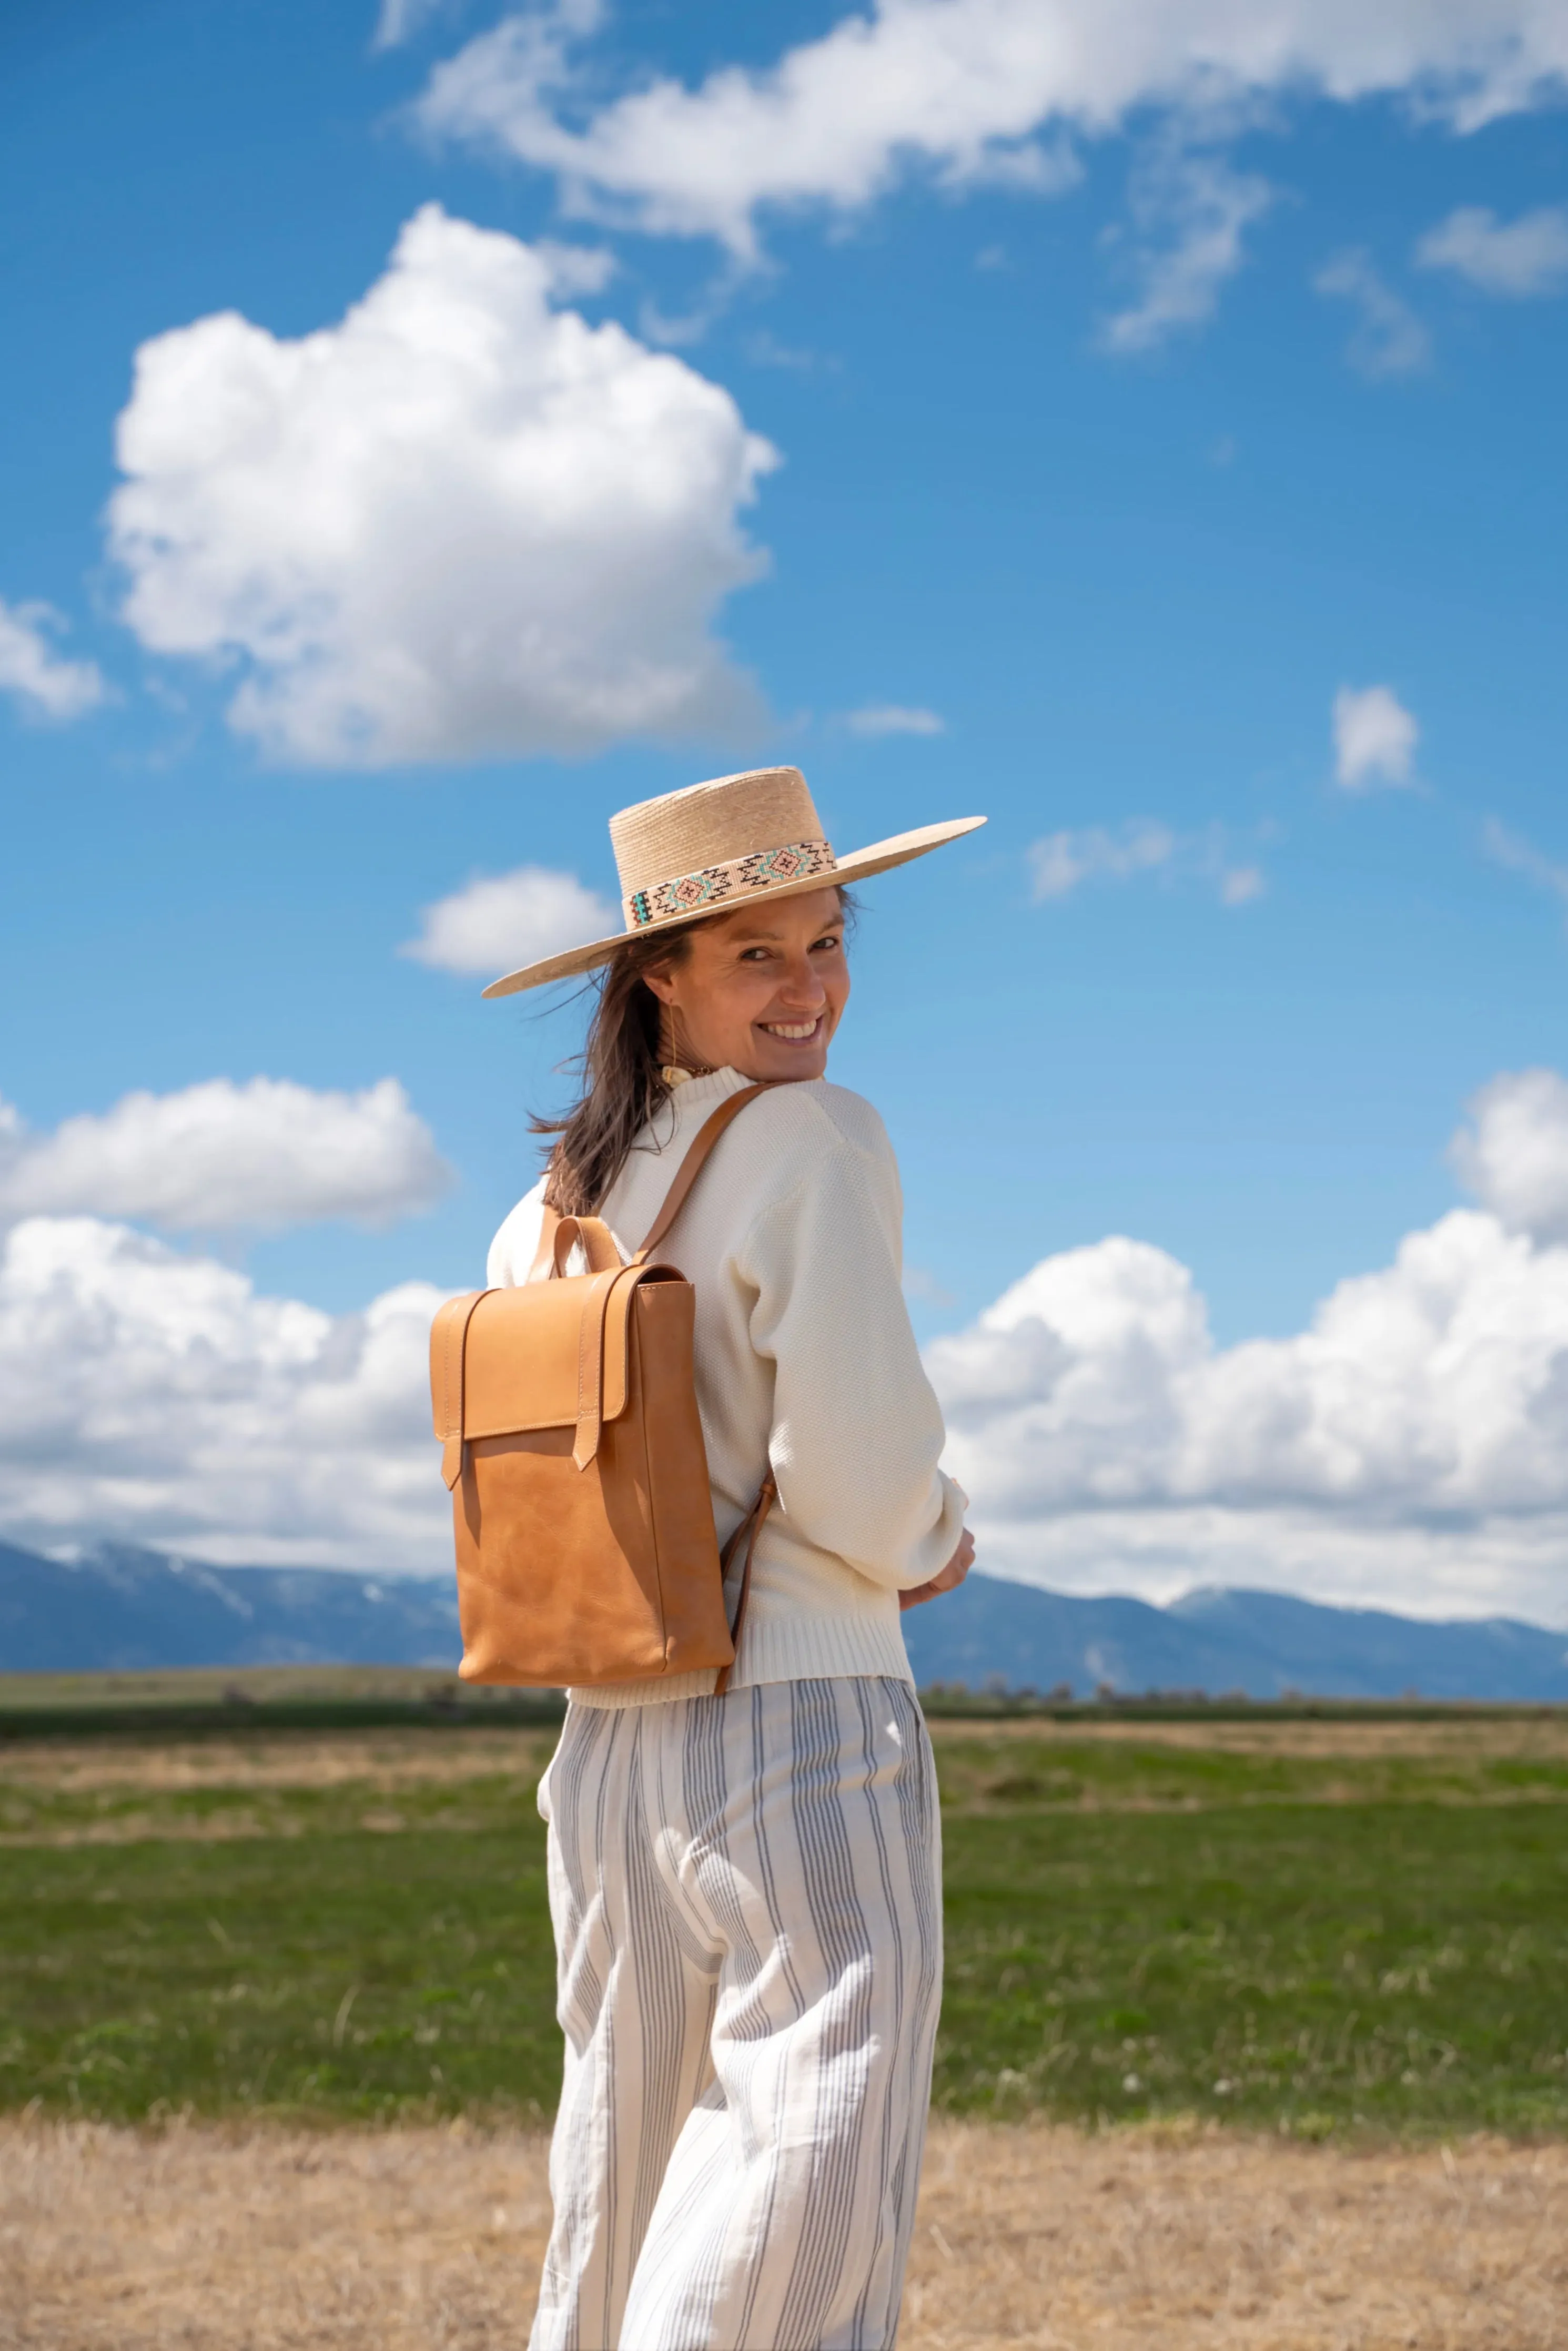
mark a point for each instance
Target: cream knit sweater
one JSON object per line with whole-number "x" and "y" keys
{"x": 805, "y": 1359}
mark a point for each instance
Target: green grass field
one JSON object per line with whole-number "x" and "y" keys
{"x": 1331, "y": 1934}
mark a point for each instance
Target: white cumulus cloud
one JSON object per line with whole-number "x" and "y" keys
{"x": 459, "y": 523}
{"x": 149, "y": 1397}
{"x": 968, "y": 91}
{"x": 895, "y": 718}
{"x": 1374, "y": 737}
{"x": 1513, "y": 1153}
{"x": 46, "y": 685}
{"x": 501, "y": 921}
{"x": 219, "y": 1155}
{"x": 1516, "y": 258}
{"x": 1389, "y": 339}
{"x": 1409, "y": 1447}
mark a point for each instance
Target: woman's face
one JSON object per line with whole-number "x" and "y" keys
{"x": 761, "y": 990}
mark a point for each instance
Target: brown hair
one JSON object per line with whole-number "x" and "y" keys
{"x": 620, "y": 1066}
{"x": 623, "y": 1086}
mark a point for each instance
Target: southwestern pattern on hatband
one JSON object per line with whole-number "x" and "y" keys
{"x": 765, "y": 869}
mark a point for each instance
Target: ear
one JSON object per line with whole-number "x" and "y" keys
{"x": 662, "y": 985}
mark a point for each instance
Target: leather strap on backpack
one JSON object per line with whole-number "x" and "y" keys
{"x": 595, "y": 1238}
{"x": 675, "y": 1199}
{"x": 557, "y": 1233}
{"x": 448, "y": 1344}
{"x": 750, "y": 1527}
{"x": 691, "y": 1167}
{"x": 590, "y": 1362}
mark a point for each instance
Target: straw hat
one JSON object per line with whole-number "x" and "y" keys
{"x": 715, "y": 846}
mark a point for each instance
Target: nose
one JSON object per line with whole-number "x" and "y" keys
{"x": 802, "y": 987}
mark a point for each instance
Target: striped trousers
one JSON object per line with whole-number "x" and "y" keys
{"x": 747, "y": 1899}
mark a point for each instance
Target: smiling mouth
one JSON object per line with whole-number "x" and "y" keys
{"x": 792, "y": 1032}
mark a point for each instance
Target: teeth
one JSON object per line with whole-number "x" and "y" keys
{"x": 799, "y": 1028}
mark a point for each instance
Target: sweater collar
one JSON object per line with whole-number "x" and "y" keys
{"x": 685, "y": 1108}
{"x": 706, "y": 1094}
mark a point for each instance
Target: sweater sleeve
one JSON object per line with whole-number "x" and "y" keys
{"x": 857, "y": 1431}
{"x": 512, "y": 1250}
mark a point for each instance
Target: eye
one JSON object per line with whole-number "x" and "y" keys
{"x": 830, "y": 941}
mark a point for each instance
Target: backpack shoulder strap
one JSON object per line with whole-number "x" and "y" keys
{"x": 691, "y": 1167}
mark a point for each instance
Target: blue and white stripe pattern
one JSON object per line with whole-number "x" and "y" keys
{"x": 746, "y": 1899}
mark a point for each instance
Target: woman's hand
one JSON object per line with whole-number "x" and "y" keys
{"x": 951, "y": 1577}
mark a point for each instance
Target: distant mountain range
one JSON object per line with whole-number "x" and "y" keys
{"x": 120, "y": 1609}
{"x": 1216, "y": 1640}
{"x": 124, "y": 1610}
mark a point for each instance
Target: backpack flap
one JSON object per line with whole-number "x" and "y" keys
{"x": 547, "y": 1355}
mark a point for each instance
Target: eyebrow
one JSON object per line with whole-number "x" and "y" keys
{"x": 739, "y": 927}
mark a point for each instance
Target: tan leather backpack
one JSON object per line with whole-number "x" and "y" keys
{"x": 571, "y": 1444}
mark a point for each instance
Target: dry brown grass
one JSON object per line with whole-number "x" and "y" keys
{"x": 1128, "y": 2241}
{"x": 382, "y": 1761}
{"x": 385, "y": 1760}
{"x": 1526, "y": 1736}
{"x": 430, "y": 2241}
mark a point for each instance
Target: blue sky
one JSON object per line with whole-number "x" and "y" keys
{"x": 1116, "y": 431}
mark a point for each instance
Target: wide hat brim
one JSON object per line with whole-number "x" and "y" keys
{"x": 898, "y": 850}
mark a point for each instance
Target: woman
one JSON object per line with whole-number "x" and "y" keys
{"x": 745, "y": 1887}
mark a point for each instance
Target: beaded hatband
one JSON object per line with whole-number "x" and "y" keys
{"x": 765, "y": 869}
